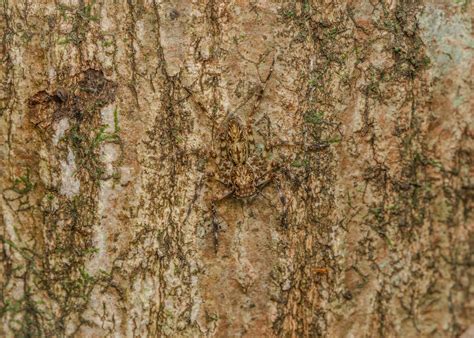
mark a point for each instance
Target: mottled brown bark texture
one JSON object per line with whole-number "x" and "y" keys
{"x": 122, "y": 207}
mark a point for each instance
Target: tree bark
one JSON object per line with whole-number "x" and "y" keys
{"x": 122, "y": 209}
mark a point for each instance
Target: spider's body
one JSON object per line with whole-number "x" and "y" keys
{"x": 239, "y": 164}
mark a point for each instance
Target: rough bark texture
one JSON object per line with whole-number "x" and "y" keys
{"x": 112, "y": 222}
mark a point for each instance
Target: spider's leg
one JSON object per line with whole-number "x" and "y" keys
{"x": 260, "y": 193}
{"x": 268, "y": 175}
{"x": 284, "y": 204}
{"x": 216, "y": 178}
{"x": 214, "y": 222}
{"x": 260, "y": 90}
{"x": 281, "y": 196}
{"x": 200, "y": 107}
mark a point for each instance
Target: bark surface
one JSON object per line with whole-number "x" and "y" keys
{"x": 112, "y": 173}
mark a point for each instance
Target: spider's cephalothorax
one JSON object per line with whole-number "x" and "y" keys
{"x": 235, "y": 141}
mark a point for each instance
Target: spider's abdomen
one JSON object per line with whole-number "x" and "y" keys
{"x": 243, "y": 179}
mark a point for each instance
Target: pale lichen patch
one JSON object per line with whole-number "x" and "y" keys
{"x": 70, "y": 185}
{"x": 60, "y": 129}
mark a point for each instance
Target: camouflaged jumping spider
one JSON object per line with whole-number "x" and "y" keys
{"x": 242, "y": 167}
